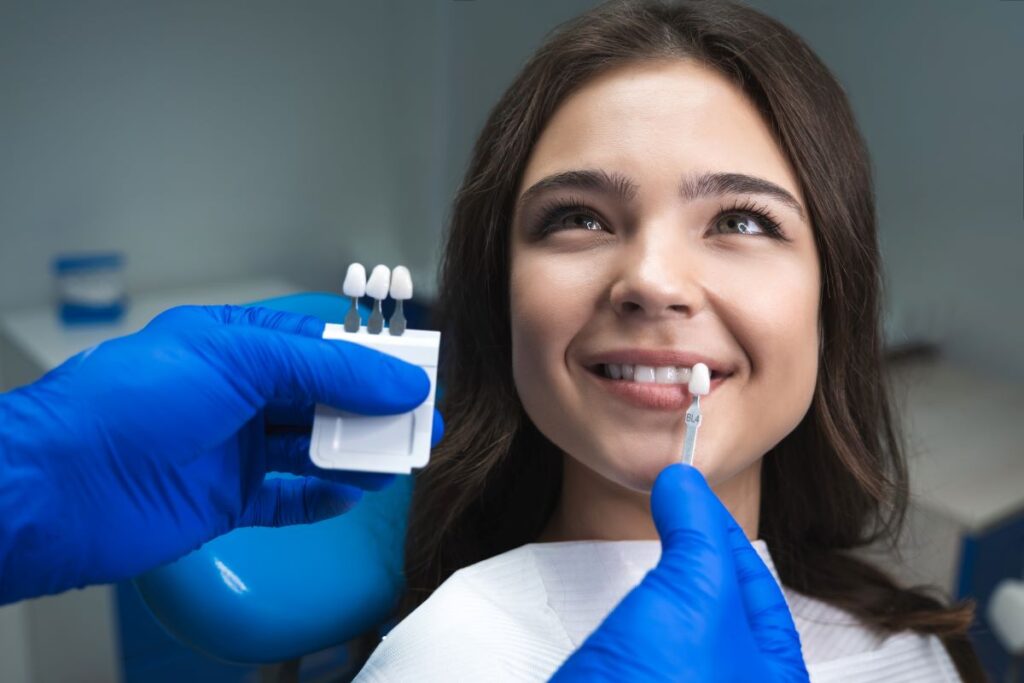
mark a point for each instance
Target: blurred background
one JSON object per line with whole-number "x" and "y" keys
{"x": 218, "y": 150}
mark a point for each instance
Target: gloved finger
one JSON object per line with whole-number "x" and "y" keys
{"x": 338, "y": 373}
{"x": 269, "y": 319}
{"x": 767, "y": 612}
{"x": 437, "y": 430}
{"x": 191, "y": 317}
{"x": 290, "y": 454}
{"x": 278, "y": 413}
{"x": 283, "y": 502}
{"x": 689, "y": 520}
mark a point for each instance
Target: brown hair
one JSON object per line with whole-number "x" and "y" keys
{"x": 494, "y": 479}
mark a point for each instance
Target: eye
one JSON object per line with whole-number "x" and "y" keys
{"x": 736, "y": 222}
{"x": 568, "y": 214}
{"x": 579, "y": 220}
{"x": 747, "y": 219}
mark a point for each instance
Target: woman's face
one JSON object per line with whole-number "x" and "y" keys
{"x": 660, "y": 258}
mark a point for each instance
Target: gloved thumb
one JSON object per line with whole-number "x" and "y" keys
{"x": 337, "y": 373}
{"x": 700, "y": 539}
{"x": 691, "y": 522}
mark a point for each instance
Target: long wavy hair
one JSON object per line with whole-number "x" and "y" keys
{"x": 494, "y": 480}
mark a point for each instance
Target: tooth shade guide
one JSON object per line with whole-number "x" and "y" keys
{"x": 700, "y": 380}
{"x": 401, "y": 284}
{"x": 355, "y": 281}
{"x": 354, "y": 287}
{"x": 379, "y": 282}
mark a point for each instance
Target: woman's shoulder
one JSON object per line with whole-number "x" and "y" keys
{"x": 487, "y": 621}
{"x": 837, "y": 646}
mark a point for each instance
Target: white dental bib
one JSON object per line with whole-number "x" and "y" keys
{"x": 519, "y": 615}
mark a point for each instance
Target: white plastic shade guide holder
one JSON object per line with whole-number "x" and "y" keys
{"x": 379, "y": 443}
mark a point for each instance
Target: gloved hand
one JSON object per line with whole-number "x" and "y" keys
{"x": 709, "y": 611}
{"x": 139, "y": 450}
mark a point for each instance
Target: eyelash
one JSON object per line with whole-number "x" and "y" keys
{"x": 560, "y": 208}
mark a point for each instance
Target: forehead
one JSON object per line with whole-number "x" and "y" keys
{"x": 657, "y": 121}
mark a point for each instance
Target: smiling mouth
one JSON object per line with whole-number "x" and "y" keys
{"x": 648, "y": 374}
{"x": 650, "y": 387}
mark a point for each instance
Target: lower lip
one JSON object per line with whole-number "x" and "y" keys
{"x": 650, "y": 395}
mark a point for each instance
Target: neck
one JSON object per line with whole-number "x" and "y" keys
{"x": 592, "y": 507}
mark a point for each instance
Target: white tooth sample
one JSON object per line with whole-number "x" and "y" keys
{"x": 628, "y": 371}
{"x": 355, "y": 281}
{"x": 700, "y": 380}
{"x": 666, "y": 375}
{"x": 613, "y": 370}
{"x": 401, "y": 284}
{"x": 377, "y": 286}
{"x": 644, "y": 374}
{"x": 684, "y": 375}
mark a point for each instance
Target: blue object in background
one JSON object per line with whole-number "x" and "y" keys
{"x": 90, "y": 287}
{"x": 266, "y": 595}
{"x": 985, "y": 560}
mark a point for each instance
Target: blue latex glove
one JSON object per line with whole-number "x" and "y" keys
{"x": 710, "y": 610}
{"x": 136, "y": 452}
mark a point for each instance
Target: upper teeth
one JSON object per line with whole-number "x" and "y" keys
{"x": 670, "y": 374}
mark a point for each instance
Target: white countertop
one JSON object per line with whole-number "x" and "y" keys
{"x": 39, "y": 333}
{"x": 964, "y": 440}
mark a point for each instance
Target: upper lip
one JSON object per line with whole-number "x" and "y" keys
{"x": 659, "y": 358}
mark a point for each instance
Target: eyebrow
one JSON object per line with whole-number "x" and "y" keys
{"x": 691, "y": 187}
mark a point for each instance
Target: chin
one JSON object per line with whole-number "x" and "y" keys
{"x": 637, "y": 471}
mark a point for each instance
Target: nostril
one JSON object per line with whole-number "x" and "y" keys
{"x": 630, "y": 306}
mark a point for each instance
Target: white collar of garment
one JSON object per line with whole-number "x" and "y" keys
{"x": 584, "y": 580}
{"x": 518, "y": 615}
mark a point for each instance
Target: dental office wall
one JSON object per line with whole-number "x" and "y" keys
{"x": 212, "y": 141}
{"x": 937, "y": 88}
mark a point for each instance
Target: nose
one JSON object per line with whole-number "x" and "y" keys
{"x": 658, "y": 277}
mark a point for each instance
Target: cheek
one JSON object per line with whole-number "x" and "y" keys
{"x": 773, "y": 313}
{"x": 550, "y": 300}
{"x": 538, "y": 324}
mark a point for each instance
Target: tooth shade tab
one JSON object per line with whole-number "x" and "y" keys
{"x": 355, "y": 281}
{"x": 700, "y": 380}
{"x": 377, "y": 286}
{"x": 401, "y": 283}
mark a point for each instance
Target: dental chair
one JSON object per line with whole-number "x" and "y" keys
{"x": 269, "y": 596}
